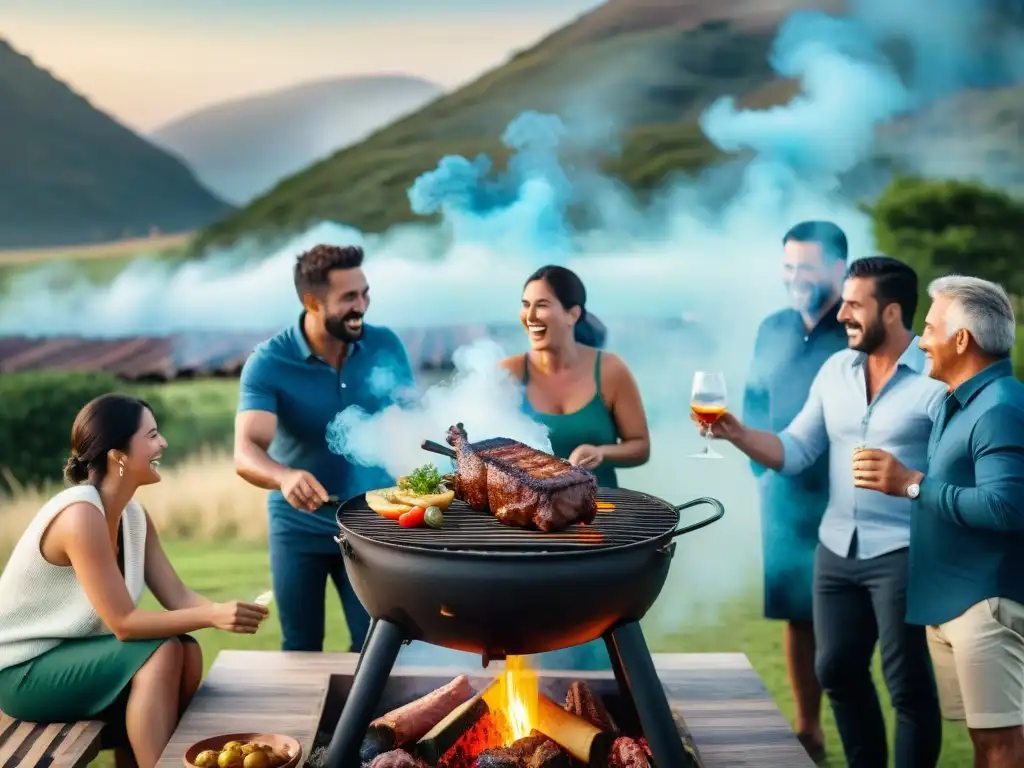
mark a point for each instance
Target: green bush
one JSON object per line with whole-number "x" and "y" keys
{"x": 38, "y": 409}
{"x": 193, "y": 414}
{"x": 36, "y": 414}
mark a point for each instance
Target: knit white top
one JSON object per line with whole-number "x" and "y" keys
{"x": 42, "y": 604}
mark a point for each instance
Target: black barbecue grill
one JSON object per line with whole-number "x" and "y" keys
{"x": 635, "y": 519}
{"x": 480, "y": 586}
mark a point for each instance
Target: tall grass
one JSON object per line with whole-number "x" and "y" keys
{"x": 199, "y": 498}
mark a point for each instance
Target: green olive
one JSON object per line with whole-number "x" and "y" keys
{"x": 434, "y": 517}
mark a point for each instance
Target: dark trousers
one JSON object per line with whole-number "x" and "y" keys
{"x": 300, "y": 586}
{"x": 856, "y": 604}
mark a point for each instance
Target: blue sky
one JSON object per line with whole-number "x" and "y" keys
{"x": 149, "y": 61}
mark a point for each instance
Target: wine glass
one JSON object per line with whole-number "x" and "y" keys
{"x": 708, "y": 404}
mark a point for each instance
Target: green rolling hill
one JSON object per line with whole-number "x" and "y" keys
{"x": 672, "y": 57}
{"x": 70, "y": 174}
{"x": 653, "y": 64}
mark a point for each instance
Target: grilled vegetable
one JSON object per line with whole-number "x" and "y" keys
{"x": 424, "y": 487}
{"x": 413, "y": 518}
{"x": 433, "y": 517}
{"x": 384, "y": 503}
{"x": 422, "y": 481}
{"x": 441, "y": 500}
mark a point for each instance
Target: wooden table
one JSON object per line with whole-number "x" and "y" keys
{"x": 731, "y": 715}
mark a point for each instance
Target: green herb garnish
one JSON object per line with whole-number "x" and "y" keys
{"x": 422, "y": 481}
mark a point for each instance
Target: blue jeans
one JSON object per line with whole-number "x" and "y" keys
{"x": 300, "y": 587}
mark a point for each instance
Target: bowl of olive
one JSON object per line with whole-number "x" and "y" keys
{"x": 244, "y": 750}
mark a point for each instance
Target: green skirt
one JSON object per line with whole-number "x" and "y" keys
{"x": 84, "y": 679}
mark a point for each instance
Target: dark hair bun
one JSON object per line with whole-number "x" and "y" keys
{"x": 76, "y": 471}
{"x": 590, "y": 331}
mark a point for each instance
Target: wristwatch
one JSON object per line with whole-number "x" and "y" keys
{"x": 913, "y": 490}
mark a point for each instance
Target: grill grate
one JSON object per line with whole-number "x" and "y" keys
{"x": 635, "y": 517}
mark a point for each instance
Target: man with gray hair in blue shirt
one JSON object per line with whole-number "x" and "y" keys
{"x": 292, "y": 387}
{"x": 876, "y": 394}
{"x": 967, "y": 537}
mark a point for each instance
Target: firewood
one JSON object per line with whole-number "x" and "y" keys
{"x": 534, "y": 751}
{"x": 487, "y": 733}
{"x": 409, "y": 723}
{"x": 583, "y": 741}
{"x": 583, "y": 702}
{"x": 443, "y": 736}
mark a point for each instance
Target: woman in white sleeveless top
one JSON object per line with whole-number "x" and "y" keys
{"x": 74, "y": 644}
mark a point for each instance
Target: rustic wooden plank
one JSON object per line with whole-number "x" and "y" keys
{"x": 14, "y": 741}
{"x": 58, "y": 745}
{"x": 727, "y": 709}
{"x": 264, "y": 691}
{"x": 80, "y": 746}
{"x": 6, "y": 721}
{"x": 47, "y": 741}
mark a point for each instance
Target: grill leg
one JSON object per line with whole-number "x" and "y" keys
{"x": 638, "y": 680}
{"x": 366, "y": 640}
{"x": 378, "y": 657}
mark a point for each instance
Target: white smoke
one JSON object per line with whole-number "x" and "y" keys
{"x": 481, "y": 395}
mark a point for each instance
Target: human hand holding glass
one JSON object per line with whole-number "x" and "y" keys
{"x": 708, "y": 403}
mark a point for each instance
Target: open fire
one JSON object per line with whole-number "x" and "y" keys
{"x": 509, "y": 723}
{"x": 519, "y": 699}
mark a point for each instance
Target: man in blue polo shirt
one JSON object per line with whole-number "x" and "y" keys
{"x": 792, "y": 345}
{"x": 967, "y": 534}
{"x": 292, "y": 386}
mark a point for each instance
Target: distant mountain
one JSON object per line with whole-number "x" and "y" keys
{"x": 654, "y": 64}
{"x": 242, "y": 148}
{"x": 71, "y": 174}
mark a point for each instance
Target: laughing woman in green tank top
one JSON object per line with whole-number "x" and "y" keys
{"x": 586, "y": 398}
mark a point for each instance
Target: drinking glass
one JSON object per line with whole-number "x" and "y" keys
{"x": 708, "y": 404}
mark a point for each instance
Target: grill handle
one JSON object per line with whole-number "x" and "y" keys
{"x": 717, "y": 515}
{"x": 441, "y": 450}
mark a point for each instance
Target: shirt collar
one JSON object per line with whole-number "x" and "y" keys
{"x": 302, "y": 348}
{"x": 828, "y": 321}
{"x": 831, "y": 318}
{"x": 970, "y": 388}
{"x": 913, "y": 357}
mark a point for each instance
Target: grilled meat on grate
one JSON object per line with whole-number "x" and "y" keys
{"x": 522, "y": 487}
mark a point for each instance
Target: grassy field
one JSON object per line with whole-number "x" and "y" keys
{"x": 115, "y": 249}
{"x": 97, "y": 263}
{"x": 214, "y": 526}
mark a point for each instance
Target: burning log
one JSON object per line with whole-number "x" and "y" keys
{"x": 487, "y": 733}
{"x": 533, "y": 751}
{"x": 443, "y": 736}
{"x": 585, "y": 742}
{"x": 412, "y": 721}
{"x": 583, "y": 702}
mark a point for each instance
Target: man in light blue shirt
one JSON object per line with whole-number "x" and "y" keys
{"x": 876, "y": 394}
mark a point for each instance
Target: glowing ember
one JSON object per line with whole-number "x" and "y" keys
{"x": 519, "y": 698}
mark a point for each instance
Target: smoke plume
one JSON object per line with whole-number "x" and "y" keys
{"x": 480, "y": 395}
{"x": 689, "y": 253}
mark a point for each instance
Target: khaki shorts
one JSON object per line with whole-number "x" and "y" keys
{"x": 979, "y": 664}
